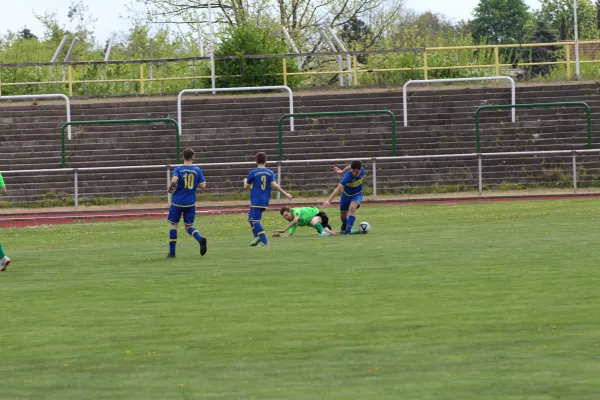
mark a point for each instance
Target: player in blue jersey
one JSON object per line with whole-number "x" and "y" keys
{"x": 351, "y": 188}
{"x": 186, "y": 179}
{"x": 260, "y": 181}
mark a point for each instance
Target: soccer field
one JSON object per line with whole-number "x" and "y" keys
{"x": 461, "y": 301}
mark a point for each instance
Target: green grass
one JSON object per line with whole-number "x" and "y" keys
{"x": 471, "y": 301}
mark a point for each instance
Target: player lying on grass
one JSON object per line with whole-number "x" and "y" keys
{"x": 305, "y": 216}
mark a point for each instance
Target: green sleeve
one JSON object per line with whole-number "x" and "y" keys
{"x": 293, "y": 229}
{"x": 1, "y": 181}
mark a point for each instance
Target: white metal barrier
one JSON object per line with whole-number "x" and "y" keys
{"x": 483, "y": 78}
{"x": 45, "y": 96}
{"x": 479, "y": 156}
{"x": 235, "y": 89}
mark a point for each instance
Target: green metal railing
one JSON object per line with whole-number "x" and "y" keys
{"x": 119, "y": 121}
{"x": 334, "y": 113}
{"x": 566, "y": 104}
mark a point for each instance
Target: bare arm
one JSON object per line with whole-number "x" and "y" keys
{"x": 292, "y": 223}
{"x": 173, "y": 184}
{"x": 246, "y": 184}
{"x": 341, "y": 171}
{"x": 275, "y": 186}
{"x": 202, "y": 185}
{"x": 333, "y": 195}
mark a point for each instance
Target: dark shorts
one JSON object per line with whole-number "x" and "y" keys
{"x": 175, "y": 213}
{"x": 255, "y": 214}
{"x": 324, "y": 219}
{"x": 345, "y": 201}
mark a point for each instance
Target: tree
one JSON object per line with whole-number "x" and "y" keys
{"x": 436, "y": 29}
{"x": 598, "y": 14}
{"x": 499, "y": 21}
{"x": 356, "y": 33}
{"x": 79, "y": 15}
{"x": 26, "y": 34}
{"x": 542, "y": 34}
{"x": 250, "y": 39}
{"x": 301, "y": 18}
{"x": 559, "y": 14}
{"x": 53, "y": 31}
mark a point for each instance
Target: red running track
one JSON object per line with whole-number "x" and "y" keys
{"x": 69, "y": 217}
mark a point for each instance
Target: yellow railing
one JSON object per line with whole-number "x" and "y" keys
{"x": 355, "y": 70}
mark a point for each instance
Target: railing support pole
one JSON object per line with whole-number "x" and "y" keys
{"x": 284, "y": 65}
{"x": 480, "y": 174}
{"x": 574, "y": 172}
{"x": 531, "y": 105}
{"x": 233, "y": 89}
{"x": 168, "y": 183}
{"x": 374, "y": 178}
{"x": 278, "y": 180}
{"x": 76, "y": 188}
{"x": 448, "y": 80}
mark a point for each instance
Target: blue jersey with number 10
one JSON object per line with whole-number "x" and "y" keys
{"x": 190, "y": 177}
{"x": 260, "y": 179}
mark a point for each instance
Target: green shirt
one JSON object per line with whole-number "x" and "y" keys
{"x": 1, "y": 181}
{"x": 305, "y": 215}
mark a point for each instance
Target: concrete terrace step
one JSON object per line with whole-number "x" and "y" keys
{"x": 234, "y": 128}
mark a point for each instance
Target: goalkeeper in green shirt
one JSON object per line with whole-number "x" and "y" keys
{"x": 305, "y": 216}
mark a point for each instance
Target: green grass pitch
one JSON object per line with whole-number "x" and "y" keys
{"x": 469, "y": 301}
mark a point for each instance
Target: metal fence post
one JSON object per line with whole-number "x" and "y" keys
{"x": 374, "y": 178}
{"x": 141, "y": 78}
{"x": 574, "y": 172}
{"x": 76, "y": 188}
{"x": 70, "y": 79}
{"x": 497, "y": 60}
{"x": 480, "y": 174}
{"x": 568, "y": 60}
{"x": 168, "y": 183}
{"x": 355, "y": 70}
{"x": 284, "y": 64}
{"x": 278, "y": 180}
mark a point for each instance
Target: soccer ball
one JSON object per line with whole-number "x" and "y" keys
{"x": 364, "y": 227}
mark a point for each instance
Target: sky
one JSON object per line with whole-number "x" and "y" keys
{"x": 17, "y": 14}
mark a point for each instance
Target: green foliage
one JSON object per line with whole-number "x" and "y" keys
{"x": 356, "y": 33}
{"x": 559, "y": 15}
{"x": 587, "y": 71}
{"x": 542, "y": 34}
{"x": 251, "y": 39}
{"x": 511, "y": 186}
{"x": 499, "y": 21}
{"x": 438, "y": 58}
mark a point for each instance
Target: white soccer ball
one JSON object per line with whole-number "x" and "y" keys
{"x": 364, "y": 227}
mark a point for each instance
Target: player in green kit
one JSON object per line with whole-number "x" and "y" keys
{"x": 305, "y": 216}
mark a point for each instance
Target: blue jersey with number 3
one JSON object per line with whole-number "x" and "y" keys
{"x": 190, "y": 177}
{"x": 260, "y": 193}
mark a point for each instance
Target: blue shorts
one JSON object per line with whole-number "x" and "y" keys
{"x": 345, "y": 201}
{"x": 175, "y": 212}
{"x": 255, "y": 214}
